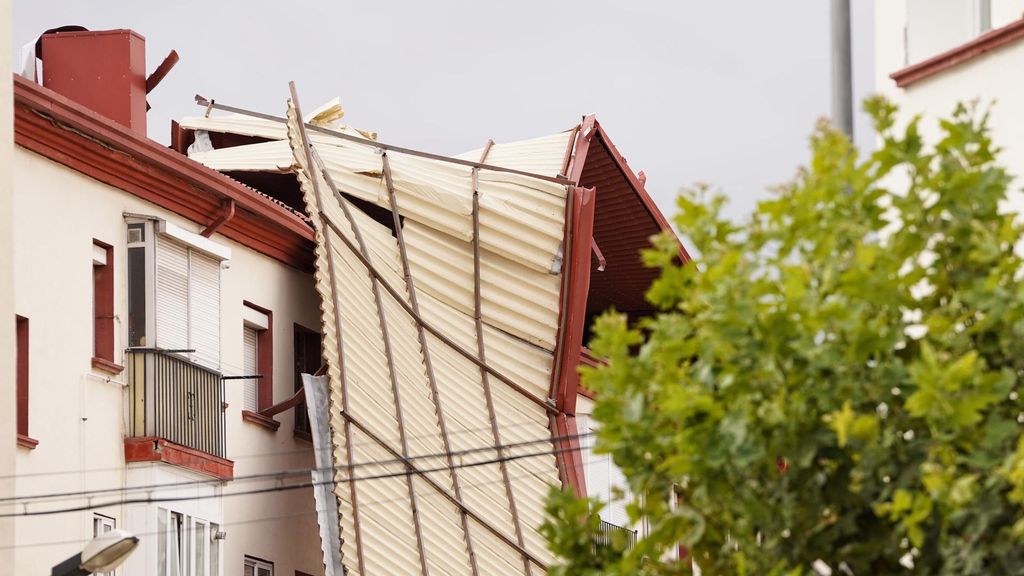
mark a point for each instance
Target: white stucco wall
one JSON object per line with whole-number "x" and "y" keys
{"x": 7, "y": 382}
{"x": 988, "y": 80}
{"x": 909, "y": 31}
{"x": 79, "y": 415}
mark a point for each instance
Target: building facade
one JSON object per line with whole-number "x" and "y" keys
{"x": 167, "y": 302}
{"x": 159, "y": 308}
{"x": 932, "y": 55}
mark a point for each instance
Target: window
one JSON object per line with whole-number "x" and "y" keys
{"x": 307, "y": 361}
{"x": 21, "y": 351}
{"x": 187, "y": 546}
{"x": 101, "y": 525}
{"x": 257, "y": 567}
{"x": 257, "y": 357}
{"x": 174, "y": 291}
{"x": 103, "y": 307}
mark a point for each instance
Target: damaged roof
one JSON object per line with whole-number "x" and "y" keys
{"x": 454, "y": 293}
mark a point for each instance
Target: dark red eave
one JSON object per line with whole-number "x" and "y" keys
{"x": 985, "y": 43}
{"x": 57, "y": 128}
{"x": 620, "y": 216}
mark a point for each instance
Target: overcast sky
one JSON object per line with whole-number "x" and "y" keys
{"x": 723, "y": 92}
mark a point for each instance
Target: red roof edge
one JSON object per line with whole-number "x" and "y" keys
{"x": 640, "y": 190}
{"x": 987, "y": 42}
{"x": 68, "y": 133}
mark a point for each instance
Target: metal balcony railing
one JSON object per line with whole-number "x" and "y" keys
{"x": 608, "y": 532}
{"x": 175, "y": 399}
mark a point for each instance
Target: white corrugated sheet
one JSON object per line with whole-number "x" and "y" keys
{"x": 387, "y": 516}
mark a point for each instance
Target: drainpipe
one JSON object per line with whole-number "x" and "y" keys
{"x": 227, "y": 213}
{"x": 842, "y": 68}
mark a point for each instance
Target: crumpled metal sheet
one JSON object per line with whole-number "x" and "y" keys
{"x": 381, "y": 530}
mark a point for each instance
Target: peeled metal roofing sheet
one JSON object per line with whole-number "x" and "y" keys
{"x": 520, "y": 217}
{"x": 326, "y": 115}
{"x": 520, "y": 230}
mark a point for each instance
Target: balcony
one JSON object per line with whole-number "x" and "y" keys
{"x": 609, "y": 534}
{"x": 177, "y": 413}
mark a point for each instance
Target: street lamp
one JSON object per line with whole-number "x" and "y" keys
{"x": 104, "y": 553}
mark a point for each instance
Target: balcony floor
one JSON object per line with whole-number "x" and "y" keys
{"x": 153, "y": 449}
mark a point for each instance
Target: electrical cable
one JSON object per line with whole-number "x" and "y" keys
{"x": 369, "y": 503}
{"x": 289, "y": 487}
{"x": 305, "y": 451}
{"x": 282, "y": 475}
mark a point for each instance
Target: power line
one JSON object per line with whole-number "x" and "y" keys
{"x": 368, "y": 503}
{"x": 288, "y": 487}
{"x": 284, "y": 475}
{"x": 307, "y": 451}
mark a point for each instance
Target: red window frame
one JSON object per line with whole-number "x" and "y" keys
{"x": 103, "y": 311}
{"x": 265, "y": 366}
{"x": 21, "y": 346}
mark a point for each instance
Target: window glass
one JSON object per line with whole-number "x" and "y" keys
{"x": 254, "y": 567}
{"x": 214, "y": 550}
{"x": 199, "y": 550}
{"x": 161, "y": 541}
{"x": 136, "y": 285}
{"x": 101, "y": 525}
{"x": 175, "y": 544}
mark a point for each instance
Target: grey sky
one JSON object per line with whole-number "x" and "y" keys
{"x": 723, "y": 92}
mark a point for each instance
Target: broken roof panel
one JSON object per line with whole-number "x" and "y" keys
{"x": 398, "y": 391}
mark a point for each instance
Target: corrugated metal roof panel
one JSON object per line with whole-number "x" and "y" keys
{"x": 520, "y": 217}
{"x": 362, "y": 323}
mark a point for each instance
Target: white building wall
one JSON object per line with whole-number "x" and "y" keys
{"x": 986, "y": 79}
{"x": 79, "y": 415}
{"x": 7, "y": 382}
{"x": 603, "y": 477}
{"x": 910, "y": 31}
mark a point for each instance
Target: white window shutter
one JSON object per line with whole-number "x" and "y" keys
{"x": 204, "y": 309}
{"x": 171, "y": 295}
{"x": 250, "y": 354}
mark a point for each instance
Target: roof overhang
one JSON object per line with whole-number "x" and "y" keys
{"x": 66, "y": 132}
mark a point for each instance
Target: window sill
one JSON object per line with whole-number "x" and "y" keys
{"x": 261, "y": 420}
{"x": 26, "y": 442}
{"x": 302, "y": 435}
{"x": 106, "y": 365}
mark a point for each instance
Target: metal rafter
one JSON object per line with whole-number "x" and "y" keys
{"x": 337, "y": 320}
{"x": 427, "y": 364}
{"x": 484, "y": 379}
{"x": 348, "y": 417}
{"x": 212, "y": 105}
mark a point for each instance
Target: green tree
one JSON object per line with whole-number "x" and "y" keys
{"x": 834, "y": 379}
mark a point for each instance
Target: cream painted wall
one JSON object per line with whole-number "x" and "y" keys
{"x": 7, "y": 382}
{"x": 985, "y": 80}
{"x": 909, "y": 31}
{"x": 79, "y": 415}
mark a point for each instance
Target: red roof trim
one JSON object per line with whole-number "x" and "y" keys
{"x": 578, "y": 287}
{"x": 55, "y": 127}
{"x": 987, "y": 42}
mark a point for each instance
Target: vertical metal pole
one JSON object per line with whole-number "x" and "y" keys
{"x": 842, "y": 68}
{"x": 984, "y": 16}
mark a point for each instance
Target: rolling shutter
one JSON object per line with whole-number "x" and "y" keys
{"x": 250, "y": 353}
{"x": 188, "y": 302}
{"x": 171, "y": 295}
{"x": 204, "y": 309}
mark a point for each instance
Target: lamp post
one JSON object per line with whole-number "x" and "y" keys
{"x": 105, "y": 552}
